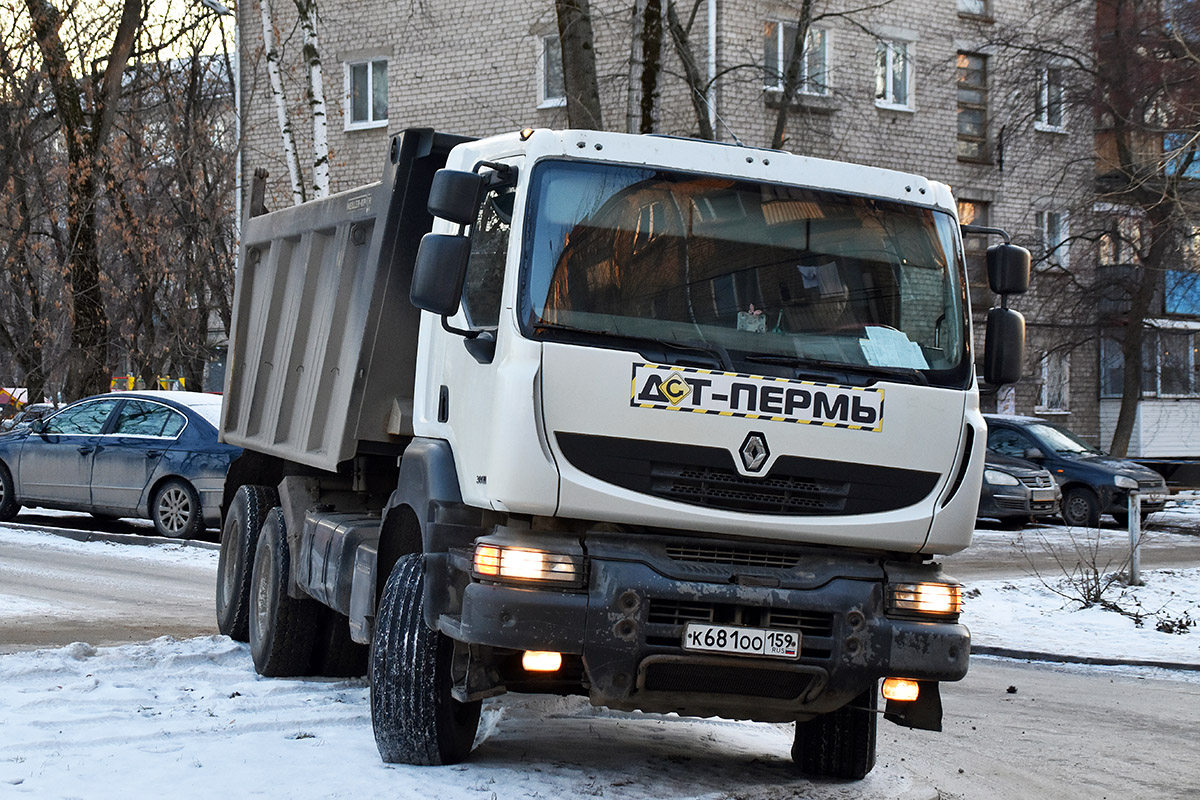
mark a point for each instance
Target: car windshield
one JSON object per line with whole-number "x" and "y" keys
{"x": 1060, "y": 440}
{"x": 747, "y": 273}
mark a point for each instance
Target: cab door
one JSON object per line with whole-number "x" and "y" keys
{"x": 129, "y": 453}
{"x": 56, "y": 463}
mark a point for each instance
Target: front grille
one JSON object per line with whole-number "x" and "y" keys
{"x": 1009, "y": 503}
{"x": 1152, "y": 483}
{"x": 1038, "y": 481}
{"x": 708, "y": 476}
{"x": 734, "y": 557}
{"x": 1046, "y": 506}
{"x": 681, "y": 612}
{"x": 713, "y": 679}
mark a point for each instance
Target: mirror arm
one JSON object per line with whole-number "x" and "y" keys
{"x": 466, "y": 334}
{"x": 983, "y": 229}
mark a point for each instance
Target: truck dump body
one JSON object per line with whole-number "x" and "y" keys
{"x": 324, "y": 338}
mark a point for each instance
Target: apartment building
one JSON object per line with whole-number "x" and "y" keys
{"x": 937, "y": 87}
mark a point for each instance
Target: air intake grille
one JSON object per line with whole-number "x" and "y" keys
{"x": 708, "y": 476}
{"x": 732, "y": 557}
{"x": 681, "y": 612}
{"x": 709, "y": 679}
{"x": 1038, "y": 481}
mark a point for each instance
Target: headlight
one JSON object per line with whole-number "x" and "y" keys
{"x": 935, "y": 599}
{"x": 999, "y": 478}
{"x": 524, "y": 564}
{"x": 1125, "y": 482}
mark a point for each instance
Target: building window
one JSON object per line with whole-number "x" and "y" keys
{"x": 1121, "y": 241}
{"x": 1180, "y": 154}
{"x": 552, "y": 91}
{"x": 973, "y": 8}
{"x": 1054, "y": 386}
{"x": 974, "y": 212}
{"x": 893, "y": 74}
{"x": 1181, "y": 292}
{"x": 1051, "y": 101}
{"x": 778, "y": 41}
{"x": 366, "y": 94}
{"x": 972, "y": 107}
{"x": 1170, "y": 364}
{"x": 1055, "y": 245}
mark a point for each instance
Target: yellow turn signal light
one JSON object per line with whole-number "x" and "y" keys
{"x": 541, "y": 661}
{"x": 901, "y": 689}
{"x": 942, "y": 599}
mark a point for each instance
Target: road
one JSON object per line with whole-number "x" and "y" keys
{"x": 1060, "y": 731}
{"x": 55, "y": 591}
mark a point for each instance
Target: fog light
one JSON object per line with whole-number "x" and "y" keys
{"x": 519, "y": 563}
{"x": 541, "y": 661}
{"x": 901, "y": 689}
{"x": 942, "y": 599}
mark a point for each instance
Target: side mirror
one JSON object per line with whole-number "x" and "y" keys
{"x": 439, "y": 272}
{"x": 38, "y": 425}
{"x": 1004, "y": 349}
{"x": 454, "y": 195}
{"x": 1008, "y": 269}
{"x": 1033, "y": 454}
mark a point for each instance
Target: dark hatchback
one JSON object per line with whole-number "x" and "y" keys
{"x": 1093, "y": 483}
{"x": 1016, "y": 491}
{"x": 127, "y": 454}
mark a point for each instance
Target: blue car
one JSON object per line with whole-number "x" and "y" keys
{"x": 126, "y": 454}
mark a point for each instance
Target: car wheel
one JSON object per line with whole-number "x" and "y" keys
{"x": 1081, "y": 507}
{"x": 176, "y": 510}
{"x": 239, "y": 540}
{"x": 8, "y": 495}
{"x": 282, "y": 628}
{"x": 415, "y": 718}
{"x": 840, "y": 744}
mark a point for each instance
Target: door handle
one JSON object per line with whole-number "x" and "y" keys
{"x": 85, "y": 449}
{"x": 153, "y": 453}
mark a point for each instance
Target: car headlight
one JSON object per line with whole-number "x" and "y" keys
{"x": 526, "y": 564}
{"x": 1125, "y": 482}
{"x": 934, "y": 599}
{"x": 999, "y": 478}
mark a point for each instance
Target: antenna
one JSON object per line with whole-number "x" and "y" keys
{"x": 712, "y": 109}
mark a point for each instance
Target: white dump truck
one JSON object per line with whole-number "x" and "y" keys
{"x": 675, "y": 425}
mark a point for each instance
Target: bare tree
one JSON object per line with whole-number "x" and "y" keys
{"x": 579, "y": 63}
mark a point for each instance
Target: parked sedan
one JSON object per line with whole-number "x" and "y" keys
{"x": 1093, "y": 483}
{"x": 141, "y": 454}
{"x": 1016, "y": 491}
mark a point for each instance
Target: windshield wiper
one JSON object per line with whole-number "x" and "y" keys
{"x": 716, "y": 352}
{"x": 904, "y": 374}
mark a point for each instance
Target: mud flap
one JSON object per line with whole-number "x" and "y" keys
{"x": 924, "y": 713}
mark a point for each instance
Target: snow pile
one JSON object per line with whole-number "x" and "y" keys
{"x": 190, "y": 718}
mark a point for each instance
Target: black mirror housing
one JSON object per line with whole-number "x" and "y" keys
{"x": 1034, "y": 454}
{"x": 1008, "y": 269}
{"x": 1004, "y": 349}
{"x": 38, "y": 425}
{"x": 454, "y": 195}
{"x": 439, "y": 272}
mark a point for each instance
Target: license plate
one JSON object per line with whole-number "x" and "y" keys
{"x": 1042, "y": 495}
{"x": 741, "y": 641}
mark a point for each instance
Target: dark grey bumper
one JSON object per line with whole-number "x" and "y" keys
{"x": 628, "y": 625}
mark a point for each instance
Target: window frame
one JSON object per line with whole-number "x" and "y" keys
{"x": 1056, "y": 255}
{"x": 983, "y": 143}
{"x": 1111, "y": 359}
{"x": 1044, "y": 104}
{"x": 372, "y": 122}
{"x": 807, "y": 85}
{"x": 984, "y": 12}
{"x": 545, "y": 100}
{"x": 889, "y": 45}
{"x": 1055, "y": 368}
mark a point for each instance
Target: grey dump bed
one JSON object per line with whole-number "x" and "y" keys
{"x": 323, "y": 347}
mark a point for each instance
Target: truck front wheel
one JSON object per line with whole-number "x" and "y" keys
{"x": 415, "y": 718}
{"x": 840, "y": 744}
{"x": 282, "y": 628}
{"x": 239, "y": 538}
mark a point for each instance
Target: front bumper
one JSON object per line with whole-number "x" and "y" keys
{"x": 628, "y": 625}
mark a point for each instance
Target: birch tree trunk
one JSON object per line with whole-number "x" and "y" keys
{"x": 307, "y": 10}
{"x": 281, "y": 110}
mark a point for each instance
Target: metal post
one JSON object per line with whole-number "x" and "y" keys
{"x": 1135, "y": 538}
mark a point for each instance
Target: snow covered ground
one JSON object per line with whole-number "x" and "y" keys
{"x": 190, "y": 718}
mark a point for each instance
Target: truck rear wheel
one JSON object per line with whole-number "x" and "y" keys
{"x": 415, "y": 718}
{"x": 282, "y": 628}
{"x": 335, "y": 654}
{"x": 239, "y": 539}
{"x": 840, "y": 744}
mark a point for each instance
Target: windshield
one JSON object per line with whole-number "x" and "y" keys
{"x": 743, "y": 272}
{"x": 1060, "y": 440}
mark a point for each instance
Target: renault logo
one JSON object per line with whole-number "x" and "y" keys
{"x": 754, "y": 452}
